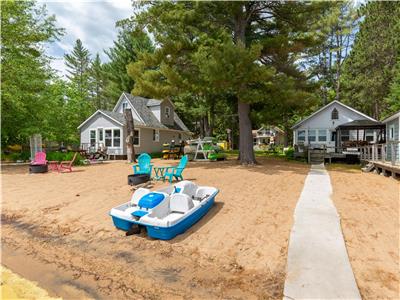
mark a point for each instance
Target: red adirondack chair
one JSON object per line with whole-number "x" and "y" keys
{"x": 67, "y": 164}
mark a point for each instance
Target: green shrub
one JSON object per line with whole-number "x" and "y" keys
{"x": 289, "y": 153}
{"x": 62, "y": 156}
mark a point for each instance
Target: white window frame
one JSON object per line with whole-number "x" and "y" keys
{"x": 121, "y": 136}
{"x": 305, "y": 135}
{"x": 156, "y": 135}
{"x": 326, "y": 135}
{"x": 308, "y": 135}
{"x": 90, "y": 137}
{"x": 124, "y": 106}
{"x": 371, "y": 133}
{"x": 167, "y": 112}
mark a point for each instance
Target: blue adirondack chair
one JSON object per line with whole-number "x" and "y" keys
{"x": 144, "y": 165}
{"x": 176, "y": 171}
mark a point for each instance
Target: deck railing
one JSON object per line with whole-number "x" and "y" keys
{"x": 387, "y": 153}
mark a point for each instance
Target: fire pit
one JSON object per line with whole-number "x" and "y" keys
{"x": 136, "y": 179}
{"x": 38, "y": 169}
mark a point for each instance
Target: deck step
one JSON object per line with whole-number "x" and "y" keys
{"x": 368, "y": 168}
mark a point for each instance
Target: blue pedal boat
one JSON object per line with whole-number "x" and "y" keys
{"x": 166, "y": 212}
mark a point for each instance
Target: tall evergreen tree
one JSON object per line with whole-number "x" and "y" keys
{"x": 393, "y": 100}
{"x": 78, "y": 64}
{"x": 369, "y": 70}
{"x": 225, "y": 48}
{"x": 128, "y": 44}
{"x": 97, "y": 78}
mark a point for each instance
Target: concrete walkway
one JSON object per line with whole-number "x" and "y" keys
{"x": 318, "y": 266}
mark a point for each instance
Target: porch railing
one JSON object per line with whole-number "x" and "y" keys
{"x": 387, "y": 153}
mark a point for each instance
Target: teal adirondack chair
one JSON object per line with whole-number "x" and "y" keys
{"x": 144, "y": 165}
{"x": 176, "y": 171}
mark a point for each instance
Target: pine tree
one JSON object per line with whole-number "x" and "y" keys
{"x": 97, "y": 78}
{"x": 217, "y": 48}
{"x": 125, "y": 50}
{"x": 78, "y": 64}
{"x": 369, "y": 70}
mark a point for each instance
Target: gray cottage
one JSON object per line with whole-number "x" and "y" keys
{"x": 393, "y": 136}
{"x": 155, "y": 123}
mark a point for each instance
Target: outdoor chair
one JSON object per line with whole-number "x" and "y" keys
{"x": 144, "y": 165}
{"x": 40, "y": 159}
{"x": 176, "y": 172}
{"x": 67, "y": 164}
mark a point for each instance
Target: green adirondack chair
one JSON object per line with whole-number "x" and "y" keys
{"x": 144, "y": 165}
{"x": 176, "y": 172}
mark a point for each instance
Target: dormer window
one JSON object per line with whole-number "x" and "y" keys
{"x": 335, "y": 114}
{"x": 167, "y": 112}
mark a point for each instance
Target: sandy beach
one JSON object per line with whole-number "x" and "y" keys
{"x": 369, "y": 208}
{"x": 59, "y": 223}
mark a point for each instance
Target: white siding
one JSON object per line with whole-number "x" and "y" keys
{"x": 323, "y": 121}
{"x": 119, "y": 109}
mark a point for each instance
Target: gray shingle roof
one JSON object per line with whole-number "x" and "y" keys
{"x": 142, "y": 105}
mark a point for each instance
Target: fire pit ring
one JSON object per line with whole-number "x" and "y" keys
{"x": 38, "y": 169}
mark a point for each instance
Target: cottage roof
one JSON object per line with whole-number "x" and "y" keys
{"x": 392, "y": 117}
{"x": 361, "y": 124}
{"x": 327, "y": 106}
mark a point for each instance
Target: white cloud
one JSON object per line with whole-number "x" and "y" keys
{"x": 91, "y": 21}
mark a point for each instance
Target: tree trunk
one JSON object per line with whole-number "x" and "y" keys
{"x": 206, "y": 124}
{"x": 130, "y": 149}
{"x": 246, "y": 151}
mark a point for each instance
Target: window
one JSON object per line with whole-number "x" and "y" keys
{"x": 108, "y": 137}
{"x": 301, "y": 135}
{"x": 136, "y": 138}
{"x": 369, "y": 135}
{"x": 179, "y": 136}
{"x": 167, "y": 112}
{"x": 333, "y": 136}
{"x": 335, "y": 114}
{"x": 156, "y": 135}
{"x": 116, "y": 138}
{"x": 124, "y": 106}
{"x": 391, "y": 132}
{"x": 92, "y": 138}
{"x": 322, "y": 135}
{"x": 100, "y": 131}
{"x": 345, "y": 135}
{"x": 312, "y": 135}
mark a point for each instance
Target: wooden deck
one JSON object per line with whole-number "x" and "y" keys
{"x": 385, "y": 168}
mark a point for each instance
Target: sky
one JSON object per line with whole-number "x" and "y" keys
{"x": 91, "y": 21}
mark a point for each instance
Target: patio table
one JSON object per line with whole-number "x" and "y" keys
{"x": 160, "y": 172}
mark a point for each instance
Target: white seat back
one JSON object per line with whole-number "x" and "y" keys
{"x": 137, "y": 195}
{"x": 180, "y": 203}
{"x": 186, "y": 187}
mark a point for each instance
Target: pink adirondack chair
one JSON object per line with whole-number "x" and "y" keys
{"x": 67, "y": 164}
{"x": 40, "y": 159}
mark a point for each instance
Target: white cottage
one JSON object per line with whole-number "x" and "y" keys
{"x": 155, "y": 123}
{"x": 336, "y": 125}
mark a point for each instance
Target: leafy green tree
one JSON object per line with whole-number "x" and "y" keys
{"x": 25, "y": 72}
{"x": 78, "y": 65}
{"x": 128, "y": 44}
{"x": 369, "y": 70}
